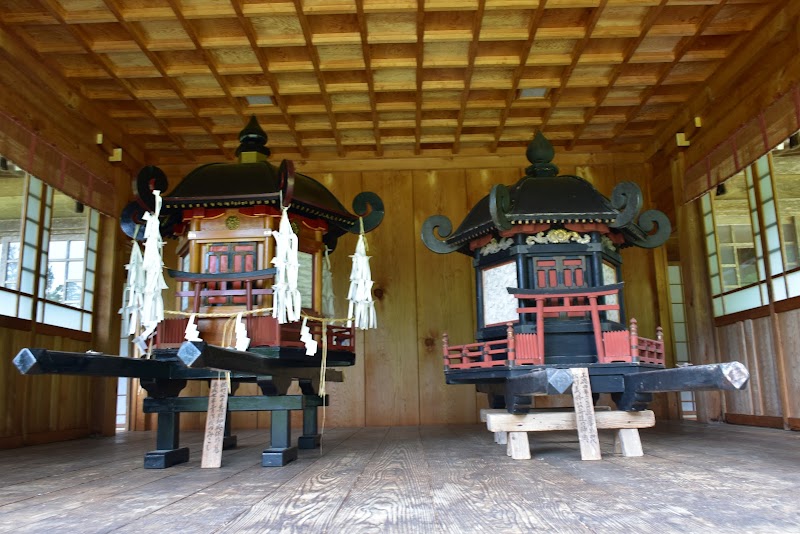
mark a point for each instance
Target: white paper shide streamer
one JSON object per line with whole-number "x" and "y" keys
{"x": 153, "y": 267}
{"x": 286, "y": 297}
{"x": 192, "y": 333}
{"x": 361, "y": 308}
{"x": 135, "y": 288}
{"x": 240, "y": 330}
{"x": 328, "y": 297}
{"x": 307, "y": 339}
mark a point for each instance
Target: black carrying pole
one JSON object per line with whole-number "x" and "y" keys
{"x": 43, "y": 361}
{"x": 521, "y": 389}
{"x": 639, "y": 387}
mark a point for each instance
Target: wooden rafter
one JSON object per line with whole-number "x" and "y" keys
{"x": 473, "y": 51}
{"x": 555, "y": 95}
{"x": 365, "y": 50}
{"x": 647, "y": 24}
{"x": 81, "y": 38}
{"x": 680, "y": 51}
{"x": 247, "y": 25}
{"x": 312, "y": 51}
{"x": 420, "y": 56}
{"x": 382, "y": 78}
{"x": 140, "y": 41}
{"x": 511, "y": 95}
{"x": 190, "y": 31}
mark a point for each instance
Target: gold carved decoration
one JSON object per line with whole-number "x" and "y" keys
{"x": 558, "y": 235}
{"x": 232, "y": 222}
{"x": 494, "y": 246}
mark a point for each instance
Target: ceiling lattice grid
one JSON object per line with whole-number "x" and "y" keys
{"x": 331, "y": 78}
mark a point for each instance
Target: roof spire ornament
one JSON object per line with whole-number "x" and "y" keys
{"x": 540, "y": 153}
{"x": 252, "y": 138}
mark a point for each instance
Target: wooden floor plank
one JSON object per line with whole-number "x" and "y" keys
{"x": 313, "y": 498}
{"x": 393, "y": 492}
{"x": 438, "y": 479}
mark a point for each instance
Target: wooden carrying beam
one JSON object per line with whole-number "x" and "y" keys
{"x": 502, "y": 421}
{"x": 199, "y": 354}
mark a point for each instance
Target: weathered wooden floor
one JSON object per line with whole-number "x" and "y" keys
{"x": 693, "y": 478}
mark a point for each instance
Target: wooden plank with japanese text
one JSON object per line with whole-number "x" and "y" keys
{"x": 584, "y": 414}
{"x": 215, "y": 424}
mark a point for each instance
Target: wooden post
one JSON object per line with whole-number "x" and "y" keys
{"x": 598, "y": 332}
{"x": 512, "y": 349}
{"x": 634, "y": 341}
{"x": 215, "y": 423}
{"x": 518, "y": 446}
{"x": 627, "y": 442}
{"x": 445, "y": 350}
{"x": 696, "y": 290}
{"x": 540, "y": 324}
{"x": 584, "y": 414}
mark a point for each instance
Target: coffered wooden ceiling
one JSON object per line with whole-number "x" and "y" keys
{"x": 380, "y": 77}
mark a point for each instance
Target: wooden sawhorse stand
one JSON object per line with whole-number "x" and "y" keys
{"x": 512, "y": 430}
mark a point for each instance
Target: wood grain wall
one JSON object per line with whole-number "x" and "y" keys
{"x": 772, "y": 397}
{"x": 419, "y": 295}
{"x": 47, "y": 408}
{"x": 40, "y": 409}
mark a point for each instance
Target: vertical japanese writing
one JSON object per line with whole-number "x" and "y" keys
{"x": 215, "y": 424}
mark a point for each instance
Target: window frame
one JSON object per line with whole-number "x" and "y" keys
{"x": 28, "y": 302}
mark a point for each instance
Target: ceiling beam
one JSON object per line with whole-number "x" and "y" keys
{"x": 473, "y": 51}
{"x": 61, "y": 92}
{"x": 140, "y": 41}
{"x": 277, "y": 98}
{"x": 534, "y": 22}
{"x": 683, "y": 46}
{"x": 314, "y": 54}
{"x": 367, "y": 53}
{"x": 577, "y": 52}
{"x": 633, "y": 45}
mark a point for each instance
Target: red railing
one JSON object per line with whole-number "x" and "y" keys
{"x": 481, "y": 354}
{"x": 264, "y": 330}
{"x": 528, "y": 348}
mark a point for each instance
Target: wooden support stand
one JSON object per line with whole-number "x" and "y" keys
{"x": 512, "y": 430}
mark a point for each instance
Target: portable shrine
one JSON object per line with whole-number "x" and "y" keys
{"x": 225, "y": 217}
{"x": 251, "y": 243}
{"x": 547, "y": 259}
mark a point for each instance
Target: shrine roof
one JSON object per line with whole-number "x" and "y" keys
{"x": 257, "y": 183}
{"x": 251, "y": 181}
{"x": 543, "y": 197}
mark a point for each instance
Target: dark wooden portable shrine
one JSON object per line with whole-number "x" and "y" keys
{"x": 222, "y": 215}
{"x": 546, "y": 253}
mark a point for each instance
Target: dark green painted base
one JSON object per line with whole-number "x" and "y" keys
{"x": 278, "y": 457}
{"x": 161, "y": 459}
{"x": 309, "y": 442}
{"x": 228, "y": 442}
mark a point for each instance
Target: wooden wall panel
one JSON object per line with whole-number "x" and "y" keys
{"x": 759, "y": 336}
{"x": 752, "y": 343}
{"x": 391, "y": 366}
{"x": 38, "y": 409}
{"x": 733, "y": 347}
{"x": 445, "y": 302}
{"x": 790, "y": 333}
{"x": 347, "y": 399}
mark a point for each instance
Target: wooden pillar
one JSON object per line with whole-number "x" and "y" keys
{"x": 106, "y": 324}
{"x": 696, "y": 290}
